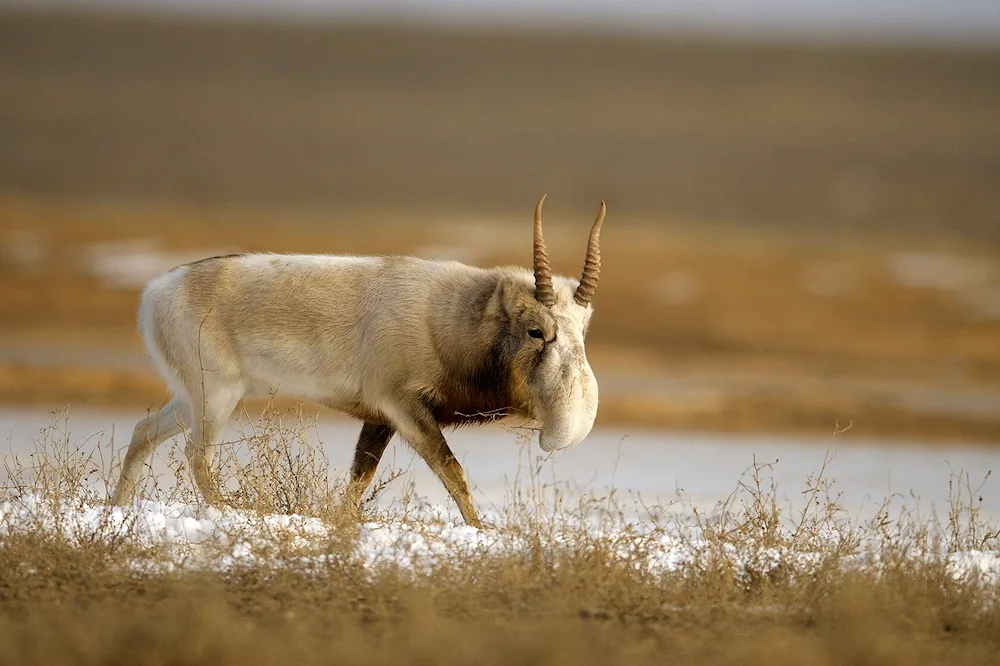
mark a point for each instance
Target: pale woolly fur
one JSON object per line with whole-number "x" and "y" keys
{"x": 406, "y": 345}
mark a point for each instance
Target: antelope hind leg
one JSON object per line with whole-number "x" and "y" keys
{"x": 149, "y": 433}
{"x": 209, "y": 420}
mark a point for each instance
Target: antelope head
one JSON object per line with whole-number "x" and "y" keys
{"x": 547, "y": 326}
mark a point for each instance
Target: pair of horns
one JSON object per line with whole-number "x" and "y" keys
{"x": 544, "y": 292}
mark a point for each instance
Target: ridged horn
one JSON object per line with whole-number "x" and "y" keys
{"x": 592, "y": 264}
{"x": 544, "y": 292}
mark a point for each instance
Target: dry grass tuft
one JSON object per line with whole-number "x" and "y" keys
{"x": 279, "y": 576}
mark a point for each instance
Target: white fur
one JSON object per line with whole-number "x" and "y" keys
{"x": 579, "y": 393}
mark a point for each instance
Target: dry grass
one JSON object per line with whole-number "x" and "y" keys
{"x": 568, "y": 580}
{"x": 732, "y": 172}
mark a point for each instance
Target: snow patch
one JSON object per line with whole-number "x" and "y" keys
{"x": 939, "y": 270}
{"x": 226, "y": 538}
{"x": 133, "y": 263}
{"x": 25, "y": 250}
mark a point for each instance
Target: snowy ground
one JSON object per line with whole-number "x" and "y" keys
{"x": 191, "y": 536}
{"x": 659, "y": 468}
{"x": 671, "y": 473}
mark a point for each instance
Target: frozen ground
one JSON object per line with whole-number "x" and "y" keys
{"x": 194, "y": 537}
{"x": 660, "y": 467}
{"x": 656, "y": 467}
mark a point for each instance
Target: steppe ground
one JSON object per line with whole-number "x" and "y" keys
{"x": 290, "y": 576}
{"x": 797, "y": 236}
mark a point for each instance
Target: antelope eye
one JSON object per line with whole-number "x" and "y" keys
{"x": 536, "y": 333}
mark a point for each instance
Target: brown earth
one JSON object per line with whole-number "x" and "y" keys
{"x": 772, "y": 208}
{"x": 745, "y": 346}
{"x": 354, "y": 120}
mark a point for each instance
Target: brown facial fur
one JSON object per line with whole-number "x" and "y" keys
{"x": 487, "y": 372}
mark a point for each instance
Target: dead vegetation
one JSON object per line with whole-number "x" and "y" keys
{"x": 552, "y": 579}
{"x": 732, "y": 173}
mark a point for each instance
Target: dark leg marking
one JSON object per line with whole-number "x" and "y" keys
{"x": 372, "y": 443}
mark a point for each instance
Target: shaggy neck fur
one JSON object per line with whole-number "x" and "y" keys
{"x": 476, "y": 349}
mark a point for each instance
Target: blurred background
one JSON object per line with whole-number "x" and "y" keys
{"x": 803, "y": 197}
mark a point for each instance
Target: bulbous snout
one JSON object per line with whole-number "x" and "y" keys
{"x": 570, "y": 413}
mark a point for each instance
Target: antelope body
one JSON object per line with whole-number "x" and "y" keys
{"x": 406, "y": 345}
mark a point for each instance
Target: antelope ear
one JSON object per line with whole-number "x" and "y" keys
{"x": 512, "y": 297}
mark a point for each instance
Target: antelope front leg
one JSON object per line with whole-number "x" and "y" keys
{"x": 372, "y": 442}
{"x": 418, "y": 427}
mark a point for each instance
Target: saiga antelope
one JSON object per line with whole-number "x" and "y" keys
{"x": 406, "y": 345}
